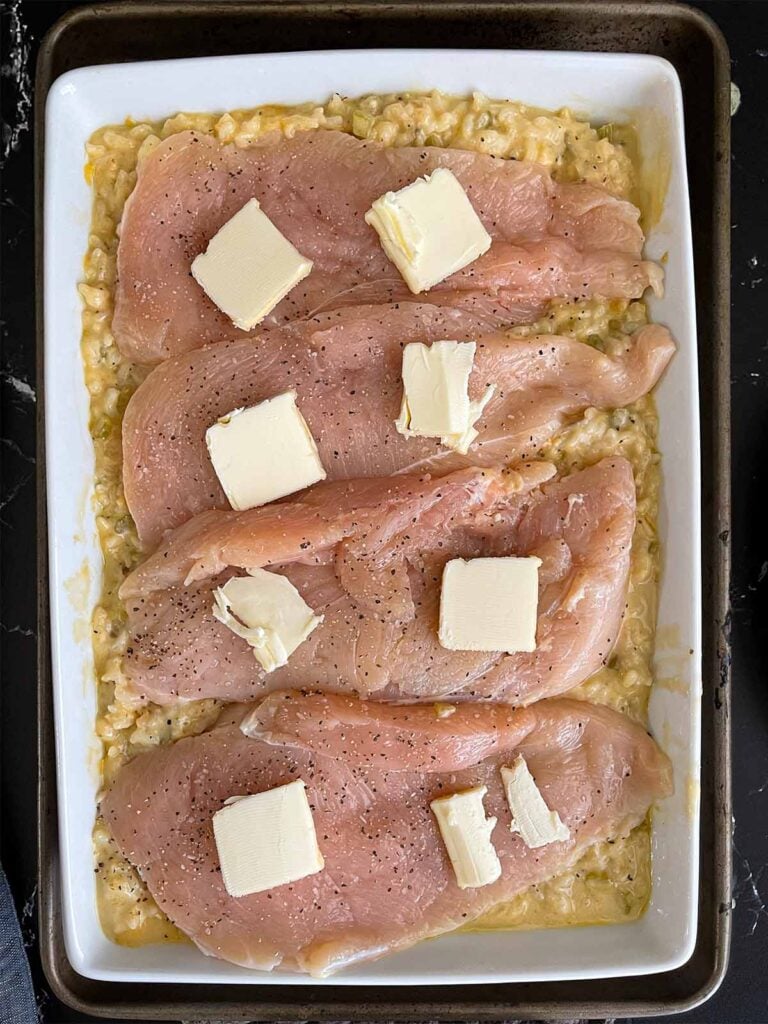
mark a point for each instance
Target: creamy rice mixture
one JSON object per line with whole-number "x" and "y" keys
{"x": 611, "y": 882}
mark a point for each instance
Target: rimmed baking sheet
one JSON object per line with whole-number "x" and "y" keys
{"x": 60, "y": 551}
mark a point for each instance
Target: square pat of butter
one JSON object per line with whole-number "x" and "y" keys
{"x": 429, "y": 229}
{"x": 436, "y": 399}
{"x": 489, "y": 604}
{"x": 435, "y": 388}
{"x": 249, "y": 266}
{"x": 266, "y": 839}
{"x": 467, "y": 834}
{"x": 531, "y": 817}
{"x": 264, "y": 452}
{"x": 265, "y": 609}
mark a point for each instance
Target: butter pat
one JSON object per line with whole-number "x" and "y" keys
{"x": 264, "y": 452}
{"x": 435, "y": 388}
{"x": 436, "y": 393}
{"x": 267, "y": 839}
{"x": 429, "y": 229}
{"x": 466, "y": 833}
{"x": 531, "y": 818}
{"x": 489, "y": 604}
{"x": 267, "y": 611}
{"x": 249, "y": 266}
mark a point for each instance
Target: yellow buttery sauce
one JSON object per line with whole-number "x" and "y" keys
{"x": 611, "y": 882}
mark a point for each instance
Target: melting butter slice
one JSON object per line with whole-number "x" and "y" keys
{"x": 436, "y": 393}
{"x": 466, "y": 833}
{"x": 429, "y": 229}
{"x": 264, "y": 452}
{"x": 249, "y": 266}
{"x": 489, "y": 604}
{"x": 266, "y": 839}
{"x": 267, "y": 611}
{"x": 531, "y": 818}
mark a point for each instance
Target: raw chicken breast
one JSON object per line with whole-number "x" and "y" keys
{"x": 302, "y": 529}
{"x": 346, "y": 370}
{"x": 368, "y": 556}
{"x": 387, "y": 881}
{"x": 406, "y": 737}
{"x": 567, "y": 240}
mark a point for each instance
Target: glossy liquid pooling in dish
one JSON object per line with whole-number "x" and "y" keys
{"x": 612, "y": 882}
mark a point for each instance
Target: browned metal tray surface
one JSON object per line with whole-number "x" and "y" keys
{"x": 119, "y": 32}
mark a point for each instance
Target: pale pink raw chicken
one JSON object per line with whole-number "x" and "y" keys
{"x": 346, "y": 369}
{"x": 549, "y": 240}
{"x": 368, "y": 556}
{"x": 387, "y": 881}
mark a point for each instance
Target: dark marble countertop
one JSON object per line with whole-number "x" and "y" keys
{"x": 743, "y": 997}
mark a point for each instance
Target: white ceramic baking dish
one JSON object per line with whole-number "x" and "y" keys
{"x": 606, "y": 87}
